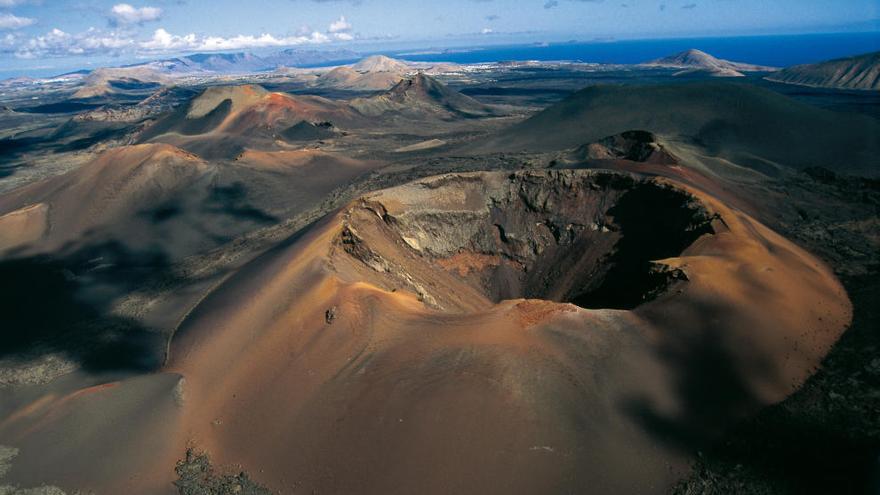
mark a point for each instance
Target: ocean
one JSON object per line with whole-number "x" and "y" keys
{"x": 775, "y": 51}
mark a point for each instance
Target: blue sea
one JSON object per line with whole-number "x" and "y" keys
{"x": 776, "y": 51}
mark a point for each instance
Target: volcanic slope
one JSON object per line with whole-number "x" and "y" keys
{"x": 224, "y": 120}
{"x": 105, "y": 81}
{"x": 422, "y": 96}
{"x": 398, "y": 346}
{"x": 751, "y": 126}
{"x": 166, "y": 200}
{"x": 348, "y": 78}
{"x": 861, "y": 72}
{"x": 112, "y": 193}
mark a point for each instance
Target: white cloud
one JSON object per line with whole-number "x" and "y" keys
{"x": 124, "y": 13}
{"x": 340, "y": 29}
{"x": 57, "y": 43}
{"x": 9, "y": 21}
{"x": 487, "y": 31}
{"x": 163, "y": 41}
{"x": 340, "y": 26}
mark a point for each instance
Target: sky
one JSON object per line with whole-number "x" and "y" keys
{"x": 47, "y": 34}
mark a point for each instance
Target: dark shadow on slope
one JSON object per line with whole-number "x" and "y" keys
{"x": 70, "y": 136}
{"x": 15, "y": 147}
{"x": 823, "y": 439}
{"x": 133, "y": 85}
{"x": 97, "y": 137}
{"x": 61, "y": 305}
{"x": 232, "y": 200}
{"x": 656, "y": 223}
{"x": 712, "y": 391}
{"x": 178, "y": 122}
{"x": 65, "y": 106}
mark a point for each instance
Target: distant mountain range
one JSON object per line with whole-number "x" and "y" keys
{"x": 379, "y": 72}
{"x": 224, "y": 121}
{"x": 860, "y": 72}
{"x": 696, "y": 61}
{"x": 230, "y": 63}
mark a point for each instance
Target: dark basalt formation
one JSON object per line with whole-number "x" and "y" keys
{"x": 309, "y": 131}
{"x": 635, "y": 146}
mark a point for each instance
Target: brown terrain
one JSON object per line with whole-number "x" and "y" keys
{"x": 372, "y": 73}
{"x": 225, "y": 120}
{"x": 462, "y": 307}
{"x": 420, "y": 96}
{"x": 415, "y": 291}
{"x": 104, "y": 81}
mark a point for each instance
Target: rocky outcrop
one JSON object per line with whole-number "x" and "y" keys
{"x": 564, "y": 236}
{"x": 634, "y": 146}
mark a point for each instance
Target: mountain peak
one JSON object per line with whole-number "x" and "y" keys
{"x": 419, "y": 84}
{"x": 689, "y": 58}
{"x": 422, "y": 93}
{"x": 239, "y": 96}
{"x": 381, "y": 63}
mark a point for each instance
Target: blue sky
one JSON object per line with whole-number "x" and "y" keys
{"x": 57, "y": 33}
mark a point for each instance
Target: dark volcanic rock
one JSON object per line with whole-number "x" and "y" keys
{"x": 636, "y": 146}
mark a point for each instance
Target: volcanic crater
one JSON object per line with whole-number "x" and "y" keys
{"x": 565, "y": 236}
{"x": 394, "y": 337}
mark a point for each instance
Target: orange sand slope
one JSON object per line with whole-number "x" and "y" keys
{"x": 112, "y": 189}
{"x": 224, "y": 120}
{"x": 390, "y": 349}
{"x": 251, "y": 106}
{"x": 161, "y": 198}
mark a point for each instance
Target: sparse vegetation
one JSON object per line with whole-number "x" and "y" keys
{"x": 196, "y": 476}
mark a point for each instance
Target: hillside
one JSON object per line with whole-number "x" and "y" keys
{"x": 420, "y": 95}
{"x": 345, "y": 77}
{"x": 104, "y": 81}
{"x": 861, "y": 72}
{"x": 751, "y": 126}
{"x": 105, "y": 199}
{"x": 224, "y": 120}
{"x": 437, "y": 334}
